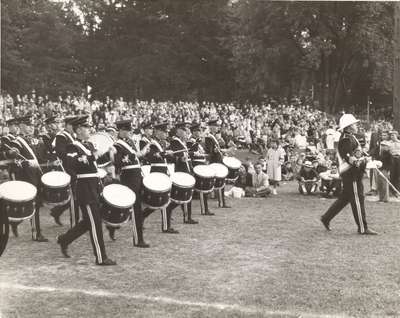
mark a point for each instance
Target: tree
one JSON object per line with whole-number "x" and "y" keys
{"x": 339, "y": 47}
{"x": 39, "y": 48}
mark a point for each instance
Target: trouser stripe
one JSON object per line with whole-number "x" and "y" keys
{"x": 202, "y": 202}
{"x": 164, "y": 219}
{"x": 134, "y": 228}
{"x": 94, "y": 235}
{"x": 358, "y": 207}
{"x": 72, "y": 211}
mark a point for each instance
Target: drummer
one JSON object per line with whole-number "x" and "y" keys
{"x": 8, "y": 141}
{"x": 157, "y": 157}
{"x": 215, "y": 153}
{"x": 182, "y": 164}
{"x": 198, "y": 157}
{"x": 145, "y": 140}
{"x": 81, "y": 162}
{"x": 127, "y": 165}
{"x": 60, "y": 142}
{"x": 32, "y": 152}
{"x": 53, "y": 126}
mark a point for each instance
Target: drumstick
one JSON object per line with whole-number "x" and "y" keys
{"x": 18, "y": 154}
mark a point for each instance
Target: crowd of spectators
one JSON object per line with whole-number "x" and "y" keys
{"x": 291, "y": 140}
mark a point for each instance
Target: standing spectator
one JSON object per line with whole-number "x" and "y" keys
{"x": 395, "y": 167}
{"x": 275, "y": 159}
{"x": 385, "y": 158}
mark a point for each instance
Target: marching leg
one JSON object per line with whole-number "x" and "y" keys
{"x": 188, "y": 207}
{"x": 222, "y": 195}
{"x": 207, "y": 211}
{"x": 35, "y": 224}
{"x": 134, "y": 228}
{"x": 202, "y": 205}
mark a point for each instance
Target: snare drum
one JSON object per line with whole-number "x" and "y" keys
{"x": 182, "y": 187}
{"x": 205, "y": 178}
{"x": 221, "y": 171}
{"x": 18, "y": 200}
{"x": 233, "y": 166}
{"x": 156, "y": 190}
{"x": 56, "y": 189}
{"x": 117, "y": 202}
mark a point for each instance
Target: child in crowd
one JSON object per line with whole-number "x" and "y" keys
{"x": 308, "y": 179}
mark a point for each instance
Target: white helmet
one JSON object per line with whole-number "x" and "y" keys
{"x": 347, "y": 120}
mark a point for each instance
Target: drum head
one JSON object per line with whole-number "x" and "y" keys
{"x": 157, "y": 182}
{"x": 183, "y": 179}
{"x": 221, "y": 171}
{"x": 17, "y": 191}
{"x": 102, "y": 173}
{"x": 56, "y": 179}
{"x": 231, "y": 162}
{"x": 102, "y": 142}
{"x": 204, "y": 171}
{"x": 119, "y": 196}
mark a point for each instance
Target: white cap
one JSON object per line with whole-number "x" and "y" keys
{"x": 347, "y": 120}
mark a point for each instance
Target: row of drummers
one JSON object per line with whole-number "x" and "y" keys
{"x": 148, "y": 178}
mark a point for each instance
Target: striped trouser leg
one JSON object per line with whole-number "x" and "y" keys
{"x": 134, "y": 227}
{"x": 35, "y": 222}
{"x": 96, "y": 231}
{"x": 185, "y": 211}
{"x": 202, "y": 205}
{"x": 164, "y": 225}
{"x": 357, "y": 206}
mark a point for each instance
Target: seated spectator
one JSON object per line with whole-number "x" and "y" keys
{"x": 308, "y": 178}
{"x": 331, "y": 182}
{"x": 259, "y": 184}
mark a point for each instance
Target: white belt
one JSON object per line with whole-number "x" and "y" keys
{"x": 159, "y": 165}
{"x": 130, "y": 167}
{"x": 87, "y": 175}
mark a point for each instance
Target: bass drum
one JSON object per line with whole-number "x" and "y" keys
{"x": 102, "y": 142}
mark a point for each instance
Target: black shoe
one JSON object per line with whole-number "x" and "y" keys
{"x": 191, "y": 221}
{"x": 325, "y": 223}
{"x": 368, "y": 232}
{"x": 142, "y": 245}
{"x": 40, "y": 238}
{"x": 171, "y": 231}
{"x": 226, "y": 206}
{"x": 14, "y": 229}
{"x": 64, "y": 248}
{"x": 111, "y": 233}
{"x": 209, "y": 213}
{"x": 107, "y": 262}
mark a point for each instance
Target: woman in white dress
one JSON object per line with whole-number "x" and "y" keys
{"x": 275, "y": 159}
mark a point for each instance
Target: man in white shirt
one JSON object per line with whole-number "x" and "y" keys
{"x": 259, "y": 183}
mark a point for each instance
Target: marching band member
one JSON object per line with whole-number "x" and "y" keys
{"x": 60, "y": 142}
{"x": 145, "y": 140}
{"x": 127, "y": 165}
{"x": 213, "y": 149}
{"x": 157, "y": 158}
{"x": 28, "y": 169}
{"x": 351, "y": 168}
{"x": 198, "y": 156}
{"x": 81, "y": 162}
{"x": 182, "y": 164}
{"x": 8, "y": 141}
{"x": 52, "y": 127}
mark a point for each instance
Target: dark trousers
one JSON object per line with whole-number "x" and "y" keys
{"x": 204, "y": 202}
{"x": 395, "y": 172}
{"x": 353, "y": 193}
{"x": 92, "y": 222}
{"x": 221, "y": 196}
{"x": 186, "y": 210}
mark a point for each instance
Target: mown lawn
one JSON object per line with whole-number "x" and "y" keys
{"x": 262, "y": 258}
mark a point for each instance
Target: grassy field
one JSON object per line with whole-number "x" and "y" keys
{"x": 262, "y": 258}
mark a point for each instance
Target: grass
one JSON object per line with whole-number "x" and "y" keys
{"x": 262, "y": 258}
